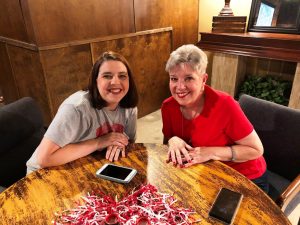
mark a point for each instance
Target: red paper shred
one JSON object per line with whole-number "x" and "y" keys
{"x": 146, "y": 202}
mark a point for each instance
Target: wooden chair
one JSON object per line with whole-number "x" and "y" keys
{"x": 21, "y": 130}
{"x": 278, "y": 128}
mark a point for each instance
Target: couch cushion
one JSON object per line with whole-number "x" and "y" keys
{"x": 278, "y": 128}
{"x": 21, "y": 131}
{"x": 18, "y": 121}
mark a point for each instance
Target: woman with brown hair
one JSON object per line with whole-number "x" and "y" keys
{"x": 103, "y": 117}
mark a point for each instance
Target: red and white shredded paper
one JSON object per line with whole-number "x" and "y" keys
{"x": 146, "y": 202}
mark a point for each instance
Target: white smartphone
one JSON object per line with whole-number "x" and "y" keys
{"x": 120, "y": 174}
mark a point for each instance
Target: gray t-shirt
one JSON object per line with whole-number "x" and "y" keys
{"x": 76, "y": 120}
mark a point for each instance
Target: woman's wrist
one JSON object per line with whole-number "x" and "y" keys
{"x": 98, "y": 143}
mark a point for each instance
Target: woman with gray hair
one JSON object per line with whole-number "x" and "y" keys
{"x": 202, "y": 124}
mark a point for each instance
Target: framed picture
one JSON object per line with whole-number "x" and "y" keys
{"x": 277, "y": 16}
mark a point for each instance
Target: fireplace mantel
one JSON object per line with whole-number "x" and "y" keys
{"x": 284, "y": 47}
{"x": 228, "y": 66}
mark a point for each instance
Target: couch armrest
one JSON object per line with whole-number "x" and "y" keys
{"x": 285, "y": 198}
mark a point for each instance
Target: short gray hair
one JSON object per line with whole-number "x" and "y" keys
{"x": 189, "y": 54}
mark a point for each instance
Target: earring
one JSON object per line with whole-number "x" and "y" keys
{"x": 202, "y": 89}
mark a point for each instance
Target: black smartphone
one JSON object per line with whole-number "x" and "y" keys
{"x": 226, "y": 205}
{"x": 120, "y": 174}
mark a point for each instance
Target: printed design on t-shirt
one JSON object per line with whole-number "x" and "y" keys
{"x": 108, "y": 128}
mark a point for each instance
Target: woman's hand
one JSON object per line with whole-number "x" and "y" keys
{"x": 178, "y": 151}
{"x": 199, "y": 155}
{"x": 115, "y": 143}
{"x": 113, "y": 152}
{"x": 112, "y": 139}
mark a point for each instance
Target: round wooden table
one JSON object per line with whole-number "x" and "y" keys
{"x": 35, "y": 199}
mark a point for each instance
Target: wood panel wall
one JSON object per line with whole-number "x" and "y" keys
{"x": 66, "y": 71}
{"x": 269, "y": 67}
{"x": 179, "y": 14}
{"x": 28, "y": 76}
{"x": 47, "y": 48}
{"x": 11, "y": 20}
{"x": 7, "y": 80}
{"x": 61, "y": 21}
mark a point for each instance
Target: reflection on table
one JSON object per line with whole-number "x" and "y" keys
{"x": 35, "y": 199}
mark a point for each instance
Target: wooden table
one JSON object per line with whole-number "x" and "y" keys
{"x": 35, "y": 199}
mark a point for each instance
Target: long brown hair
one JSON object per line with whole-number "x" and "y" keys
{"x": 130, "y": 100}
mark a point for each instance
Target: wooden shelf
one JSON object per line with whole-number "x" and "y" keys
{"x": 284, "y": 47}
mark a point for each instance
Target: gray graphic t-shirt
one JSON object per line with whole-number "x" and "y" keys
{"x": 76, "y": 120}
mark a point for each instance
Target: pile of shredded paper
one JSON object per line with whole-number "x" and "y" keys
{"x": 146, "y": 202}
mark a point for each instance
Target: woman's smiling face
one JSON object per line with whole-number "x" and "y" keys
{"x": 113, "y": 82}
{"x": 186, "y": 84}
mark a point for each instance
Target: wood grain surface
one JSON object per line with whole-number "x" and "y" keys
{"x": 35, "y": 198}
{"x": 29, "y": 77}
{"x": 63, "y": 21}
{"x": 182, "y": 16}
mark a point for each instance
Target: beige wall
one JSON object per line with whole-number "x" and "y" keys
{"x": 210, "y": 8}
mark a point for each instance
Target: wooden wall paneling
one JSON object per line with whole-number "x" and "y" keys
{"x": 275, "y": 68}
{"x": 11, "y": 20}
{"x": 59, "y": 21}
{"x": 182, "y": 15}
{"x": 227, "y": 71}
{"x": 240, "y": 74}
{"x": 295, "y": 93}
{"x": 209, "y": 65}
{"x": 147, "y": 55}
{"x": 261, "y": 67}
{"x": 251, "y": 68}
{"x": 30, "y": 28}
{"x": 67, "y": 70}
{"x": 7, "y": 83}
{"x": 28, "y": 74}
{"x": 288, "y": 68}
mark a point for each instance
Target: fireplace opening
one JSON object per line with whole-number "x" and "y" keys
{"x": 268, "y": 79}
